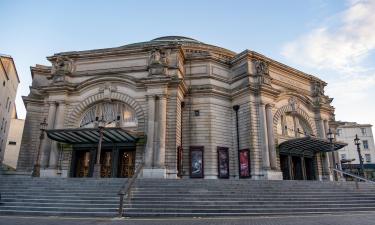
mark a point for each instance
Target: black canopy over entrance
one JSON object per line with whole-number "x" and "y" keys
{"x": 116, "y": 155}
{"x": 297, "y": 156}
{"x": 309, "y": 145}
{"x": 91, "y": 135}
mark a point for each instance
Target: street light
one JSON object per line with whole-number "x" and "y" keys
{"x": 97, "y": 166}
{"x": 330, "y": 137}
{"x": 361, "y": 169}
{"x": 101, "y": 126}
{"x": 36, "y": 169}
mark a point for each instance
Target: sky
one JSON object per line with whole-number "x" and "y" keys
{"x": 331, "y": 39}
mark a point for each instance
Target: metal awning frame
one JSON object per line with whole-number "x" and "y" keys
{"x": 91, "y": 135}
{"x": 309, "y": 145}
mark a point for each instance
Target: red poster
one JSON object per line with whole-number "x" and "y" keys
{"x": 244, "y": 163}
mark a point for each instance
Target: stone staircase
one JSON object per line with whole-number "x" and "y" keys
{"x": 85, "y": 197}
{"x": 79, "y": 197}
{"x": 200, "y": 198}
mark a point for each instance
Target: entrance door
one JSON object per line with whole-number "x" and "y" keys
{"x": 310, "y": 173}
{"x": 83, "y": 159}
{"x": 284, "y": 166}
{"x": 106, "y": 163}
{"x": 126, "y": 163}
{"x": 297, "y": 168}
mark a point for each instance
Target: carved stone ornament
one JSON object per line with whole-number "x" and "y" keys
{"x": 261, "y": 67}
{"x": 318, "y": 89}
{"x": 158, "y": 62}
{"x": 293, "y": 104}
{"x": 107, "y": 89}
{"x": 261, "y": 70}
{"x": 61, "y": 67}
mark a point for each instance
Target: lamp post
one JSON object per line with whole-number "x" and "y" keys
{"x": 97, "y": 166}
{"x": 361, "y": 169}
{"x": 101, "y": 126}
{"x": 331, "y": 136}
{"x": 36, "y": 169}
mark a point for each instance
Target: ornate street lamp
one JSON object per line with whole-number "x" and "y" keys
{"x": 101, "y": 126}
{"x": 97, "y": 166}
{"x": 361, "y": 169}
{"x": 331, "y": 137}
{"x": 36, "y": 169}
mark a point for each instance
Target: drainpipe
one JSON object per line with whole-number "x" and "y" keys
{"x": 236, "y": 108}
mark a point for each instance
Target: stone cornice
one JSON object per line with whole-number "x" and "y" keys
{"x": 251, "y": 55}
{"x": 45, "y": 70}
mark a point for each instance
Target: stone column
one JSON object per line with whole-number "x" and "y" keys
{"x": 46, "y": 143}
{"x": 290, "y": 163}
{"x": 327, "y": 164}
{"x": 265, "y": 134}
{"x": 149, "y": 151}
{"x": 161, "y": 131}
{"x": 303, "y": 166}
{"x": 271, "y": 137}
{"x": 59, "y": 123}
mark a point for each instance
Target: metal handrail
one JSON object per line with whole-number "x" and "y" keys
{"x": 127, "y": 188}
{"x": 357, "y": 178}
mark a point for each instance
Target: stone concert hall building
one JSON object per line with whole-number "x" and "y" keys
{"x": 181, "y": 109}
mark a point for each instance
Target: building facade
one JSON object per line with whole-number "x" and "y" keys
{"x": 346, "y": 132}
{"x": 8, "y": 90}
{"x": 14, "y": 138}
{"x": 181, "y": 108}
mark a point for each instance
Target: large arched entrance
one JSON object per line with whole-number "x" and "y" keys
{"x": 118, "y": 134}
{"x": 297, "y": 163}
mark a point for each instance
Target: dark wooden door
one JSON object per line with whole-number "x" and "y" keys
{"x": 126, "y": 164}
{"x": 82, "y": 161}
{"x": 284, "y": 166}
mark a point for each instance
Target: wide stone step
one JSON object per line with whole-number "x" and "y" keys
{"x": 255, "y": 210}
{"x": 234, "y": 214}
{"x": 61, "y": 200}
{"x": 17, "y": 212}
{"x": 60, "y": 208}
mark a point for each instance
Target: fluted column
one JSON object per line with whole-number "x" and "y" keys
{"x": 149, "y": 151}
{"x": 263, "y": 122}
{"x": 46, "y": 143}
{"x": 271, "y": 137}
{"x": 161, "y": 131}
{"x": 59, "y": 123}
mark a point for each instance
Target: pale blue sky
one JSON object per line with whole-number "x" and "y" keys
{"x": 333, "y": 40}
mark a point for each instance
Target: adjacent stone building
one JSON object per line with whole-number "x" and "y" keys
{"x": 346, "y": 132}
{"x": 8, "y": 88}
{"x": 181, "y": 108}
{"x": 13, "y": 145}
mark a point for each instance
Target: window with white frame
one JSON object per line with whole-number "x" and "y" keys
{"x": 368, "y": 157}
{"x": 338, "y": 132}
{"x": 363, "y": 131}
{"x": 343, "y": 156}
{"x": 365, "y": 144}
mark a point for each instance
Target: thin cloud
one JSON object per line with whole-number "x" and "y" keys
{"x": 341, "y": 47}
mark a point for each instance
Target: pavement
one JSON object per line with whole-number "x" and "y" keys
{"x": 341, "y": 219}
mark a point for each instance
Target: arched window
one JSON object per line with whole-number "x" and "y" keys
{"x": 292, "y": 125}
{"x": 115, "y": 114}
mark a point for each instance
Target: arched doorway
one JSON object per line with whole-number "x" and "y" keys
{"x": 298, "y": 163}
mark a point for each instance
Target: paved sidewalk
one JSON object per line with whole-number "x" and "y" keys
{"x": 346, "y": 219}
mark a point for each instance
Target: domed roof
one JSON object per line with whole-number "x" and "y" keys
{"x": 175, "y": 38}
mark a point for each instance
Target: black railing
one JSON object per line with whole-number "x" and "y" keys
{"x": 356, "y": 177}
{"x": 127, "y": 188}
